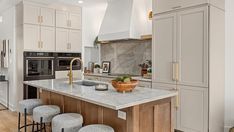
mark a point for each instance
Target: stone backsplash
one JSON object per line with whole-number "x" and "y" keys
{"x": 126, "y": 55}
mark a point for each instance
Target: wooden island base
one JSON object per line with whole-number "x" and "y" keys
{"x": 150, "y": 117}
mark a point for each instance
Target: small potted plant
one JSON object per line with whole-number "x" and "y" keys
{"x": 145, "y": 67}
{"x": 96, "y": 68}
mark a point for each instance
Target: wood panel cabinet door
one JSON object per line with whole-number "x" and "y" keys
{"x": 75, "y": 43}
{"x": 62, "y": 18}
{"x": 31, "y": 14}
{"x": 62, "y": 39}
{"x": 31, "y": 37}
{"x": 48, "y": 17}
{"x": 75, "y": 20}
{"x": 192, "y": 47}
{"x": 192, "y": 113}
{"x": 164, "y": 46}
{"x": 47, "y": 38}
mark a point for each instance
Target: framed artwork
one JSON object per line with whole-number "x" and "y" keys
{"x": 106, "y": 65}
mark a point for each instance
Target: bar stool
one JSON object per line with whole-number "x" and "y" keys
{"x": 68, "y": 122}
{"x": 97, "y": 128}
{"x": 44, "y": 114}
{"x": 26, "y": 108}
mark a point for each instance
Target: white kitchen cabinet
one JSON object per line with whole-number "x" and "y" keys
{"x": 47, "y": 38}
{"x": 192, "y": 47}
{"x": 31, "y": 37}
{"x": 62, "y": 18}
{"x": 68, "y": 40}
{"x": 38, "y": 15}
{"x": 39, "y": 38}
{"x": 160, "y": 6}
{"x": 47, "y": 17}
{"x": 75, "y": 41}
{"x": 192, "y": 63}
{"x": 62, "y": 39}
{"x": 192, "y": 111}
{"x": 31, "y": 14}
{"x": 164, "y": 46}
{"x": 69, "y": 20}
{"x": 75, "y": 20}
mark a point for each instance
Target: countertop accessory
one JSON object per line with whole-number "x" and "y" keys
{"x": 124, "y": 87}
{"x": 106, "y": 66}
{"x": 101, "y": 87}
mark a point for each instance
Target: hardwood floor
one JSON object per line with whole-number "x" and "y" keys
{"x": 9, "y": 121}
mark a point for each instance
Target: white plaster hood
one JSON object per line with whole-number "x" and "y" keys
{"x": 125, "y": 19}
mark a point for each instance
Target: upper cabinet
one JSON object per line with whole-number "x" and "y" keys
{"x": 160, "y": 6}
{"x": 39, "y": 16}
{"x": 70, "y": 20}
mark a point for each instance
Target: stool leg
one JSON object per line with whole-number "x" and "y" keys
{"x": 45, "y": 127}
{"x": 19, "y": 122}
{"x": 62, "y": 129}
{"x": 33, "y": 126}
{"x": 25, "y": 120}
{"x": 41, "y": 124}
{"x": 37, "y": 127}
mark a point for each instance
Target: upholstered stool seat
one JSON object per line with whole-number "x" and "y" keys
{"x": 96, "y": 128}
{"x": 26, "y": 108}
{"x": 45, "y": 113}
{"x": 29, "y": 105}
{"x": 68, "y": 122}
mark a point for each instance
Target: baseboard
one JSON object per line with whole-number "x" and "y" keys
{"x": 11, "y": 107}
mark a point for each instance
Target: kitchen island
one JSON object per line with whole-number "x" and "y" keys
{"x": 142, "y": 110}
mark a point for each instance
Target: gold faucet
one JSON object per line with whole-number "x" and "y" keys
{"x": 70, "y": 74}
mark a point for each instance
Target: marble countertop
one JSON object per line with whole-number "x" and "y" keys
{"x": 140, "y": 78}
{"x": 110, "y": 99}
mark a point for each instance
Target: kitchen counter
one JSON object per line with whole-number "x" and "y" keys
{"x": 140, "y": 78}
{"x": 109, "y": 99}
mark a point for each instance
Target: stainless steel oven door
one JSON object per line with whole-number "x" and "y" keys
{"x": 39, "y": 68}
{"x": 63, "y": 63}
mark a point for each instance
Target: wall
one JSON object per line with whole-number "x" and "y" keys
{"x": 229, "y": 97}
{"x": 7, "y": 28}
{"x": 126, "y": 55}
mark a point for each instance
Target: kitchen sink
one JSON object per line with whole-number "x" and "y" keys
{"x": 86, "y": 83}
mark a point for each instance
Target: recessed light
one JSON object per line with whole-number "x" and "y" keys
{"x": 80, "y": 1}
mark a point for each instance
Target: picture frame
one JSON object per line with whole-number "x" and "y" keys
{"x": 106, "y": 66}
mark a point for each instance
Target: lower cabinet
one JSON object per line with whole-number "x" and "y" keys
{"x": 192, "y": 112}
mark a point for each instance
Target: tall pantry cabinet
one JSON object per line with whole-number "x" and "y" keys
{"x": 188, "y": 56}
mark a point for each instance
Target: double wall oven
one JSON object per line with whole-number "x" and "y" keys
{"x": 43, "y": 65}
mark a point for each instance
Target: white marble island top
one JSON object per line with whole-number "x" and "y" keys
{"x": 110, "y": 99}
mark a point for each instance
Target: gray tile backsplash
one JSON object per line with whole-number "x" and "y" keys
{"x": 126, "y": 55}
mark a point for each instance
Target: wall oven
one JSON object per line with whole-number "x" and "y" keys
{"x": 37, "y": 66}
{"x": 63, "y": 61}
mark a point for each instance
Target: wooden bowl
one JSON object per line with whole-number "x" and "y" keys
{"x": 124, "y": 87}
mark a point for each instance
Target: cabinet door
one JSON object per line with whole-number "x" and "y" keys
{"x": 62, "y": 39}
{"x": 164, "y": 46}
{"x": 47, "y": 38}
{"x": 75, "y": 41}
{"x": 31, "y": 14}
{"x": 31, "y": 37}
{"x": 48, "y": 17}
{"x": 62, "y": 18}
{"x": 192, "y": 50}
{"x": 192, "y": 113}
{"x": 75, "y": 20}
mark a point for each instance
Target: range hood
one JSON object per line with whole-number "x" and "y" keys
{"x": 125, "y": 20}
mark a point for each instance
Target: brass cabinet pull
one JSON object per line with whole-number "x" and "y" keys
{"x": 175, "y": 71}
{"x": 41, "y": 19}
{"x": 177, "y": 105}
